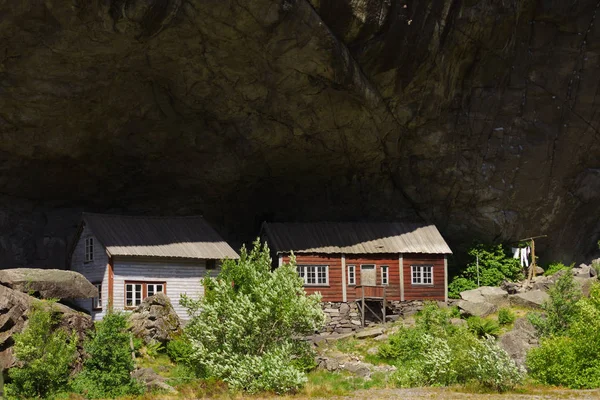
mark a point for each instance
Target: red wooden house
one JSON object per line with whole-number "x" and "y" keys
{"x": 407, "y": 260}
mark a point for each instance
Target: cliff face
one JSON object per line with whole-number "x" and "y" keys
{"x": 478, "y": 115}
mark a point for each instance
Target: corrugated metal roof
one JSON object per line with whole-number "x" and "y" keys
{"x": 180, "y": 237}
{"x": 355, "y": 238}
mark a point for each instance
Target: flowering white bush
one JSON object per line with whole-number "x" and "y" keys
{"x": 493, "y": 367}
{"x": 247, "y": 330}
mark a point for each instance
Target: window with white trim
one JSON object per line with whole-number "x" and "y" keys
{"x": 422, "y": 274}
{"x": 385, "y": 280}
{"x": 314, "y": 275}
{"x": 97, "y": 301}
{"x": 351, "y": 275}
{"x": 89, "y": 249}
{"x": 136, "y": 292}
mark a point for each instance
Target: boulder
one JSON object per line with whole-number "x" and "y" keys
{"x": 531, "y": 299}
{"x": 583, "y": 271}
{"x": 14, "y": 307}
{"x": 155, "y": 320}
{"x": 369, "y": 333}
{"x": 48, "y": 283}
{"x": 585, "y": 284}
{"x": 487, "y": 294}
{"x": 477, "y": 309}
{"x": 519, "y": 340}
{"x": 151, "y": 380}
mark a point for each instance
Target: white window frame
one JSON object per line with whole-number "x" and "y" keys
{"x": 89, "y": 249}
{"x": 97, "y": 301}
{"x": 307, "y": 271}
{"x": 352, "y": 275}
{"x": 417, "y": 274}
{"x": 136, "y": 299}
{"x": 385, "y": 274}
{"x": 154, "y": 288}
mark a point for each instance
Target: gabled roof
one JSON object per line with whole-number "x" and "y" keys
{"x": 179, "y": 237}
{"x": 355, "y": 238}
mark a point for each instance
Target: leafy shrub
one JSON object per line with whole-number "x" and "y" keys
{"x": 252, "y": 319}
{"x": 483, "y": 327}
{"x": 460, "y": 284}
{"x": 106, "y": 372}
{"x": 179, "y": 349}
{"x": 573, "y": 358}
{"x": 493, "y": 367}
{"x": 434, "y": 352}
{"x": 554, "y": 267}
{"x": 560, "y": 309}
{"x": 46, "y": 354}
{"x": 506, "y": 316}
{"x": 495, "y": 266}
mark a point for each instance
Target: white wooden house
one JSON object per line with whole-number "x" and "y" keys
{"x": 130, "y": 258}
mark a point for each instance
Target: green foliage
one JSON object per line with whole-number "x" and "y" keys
{"x": 46, "y": 354}
{"x": 572, "y": 358}
{"x": 454, "y": 312}
{"x": 492, "y": 366}
{"x": 179, "y": 349}
{"x": 483, "y": 327}
{"x": 506, "y": 316}
{"x": 106, "y": 372}
{"x": 495, "y": 266}
{"x": 460, "y": 284}
{"x": 560, "y": 309}
{"x": 554, "y": 267}
{"x": 252, "y": 321}
{"x": 435, "y": 352}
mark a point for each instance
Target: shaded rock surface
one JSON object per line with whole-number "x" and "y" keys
{"x": 48, "y": 283}
{"x": 531, "y": 299}
{"x": 14, "y": 307}
{"x": 155, "y": 320}
{"x": 519, "y": 340}
{"x": 487, "y": 294}
{"x": 479, "y": 116}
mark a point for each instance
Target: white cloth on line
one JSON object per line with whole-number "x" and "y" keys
{"x": 524, "y": 257}
{"x": 516, "y": 252}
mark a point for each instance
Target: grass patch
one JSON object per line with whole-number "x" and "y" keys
{"x": 325, "y": 383}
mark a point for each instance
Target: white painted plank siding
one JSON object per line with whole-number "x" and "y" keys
{"x": 179, "y": 278}
{"x": 95, "y": 271}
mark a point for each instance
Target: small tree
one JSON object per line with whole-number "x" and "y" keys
{"x": 247, "y": 330}
{"x": 560, "y": 309}
{"x": 107, "y": 370}
{"x": 46, "y": 354}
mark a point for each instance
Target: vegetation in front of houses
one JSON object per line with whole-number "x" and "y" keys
{"x": 248, "y": 329}
{"x": 490, "y": 265}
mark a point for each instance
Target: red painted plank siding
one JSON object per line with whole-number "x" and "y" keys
{"x": 424, "y": 292}
{"x": 391, "y": 260}
{"x": 333, "y": 292}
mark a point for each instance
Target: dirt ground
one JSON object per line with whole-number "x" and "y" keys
{"x": 446, "y": 393}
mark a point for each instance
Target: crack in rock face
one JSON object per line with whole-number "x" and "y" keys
{"x": 477, "y": 116}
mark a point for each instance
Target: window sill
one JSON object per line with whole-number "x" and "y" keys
{"x": 423, "y": 284}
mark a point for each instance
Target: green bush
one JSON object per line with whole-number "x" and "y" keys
{"x": 493, "y": 368}
{"x": 495, "y": 266}
{"x": 483, "y": 327}
{"x": 572, "y": 358}
{"x": 46, "y": 354}
{"x": 250, "y": 328}
{"x": 560, "y": 309}
{"x": 107, "y": 370}
{"x": 434, "y": 352}
{"x": 180, "y": 349}
{"x": 554, "y": 267}
{"x": 506, "y": 316}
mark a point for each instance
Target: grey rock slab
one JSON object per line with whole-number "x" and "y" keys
{"x": 155, "y": 320}
{"x": 486, "y": 294}
{"x": 369, "y": 333}
{"x": 479, "y": 309}
{"x": 48, "y": 283}
{"x": 531, "y": 299}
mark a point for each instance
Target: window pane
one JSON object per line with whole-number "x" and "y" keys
{"x": 138, "y": 294}
{"x": 150, "y": 290}
{"x": 129, "y": 295}
{"x": 159, "y": 289}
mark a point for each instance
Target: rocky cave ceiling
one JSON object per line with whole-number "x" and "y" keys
{"x": 477, "y": 115}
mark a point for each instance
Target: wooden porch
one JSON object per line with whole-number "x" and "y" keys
{"x": 372, "y": 293}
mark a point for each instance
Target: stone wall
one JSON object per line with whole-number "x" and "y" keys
{"x": 345, "y": 317}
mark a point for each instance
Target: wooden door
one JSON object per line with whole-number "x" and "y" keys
{"x": 367, "y": 275}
